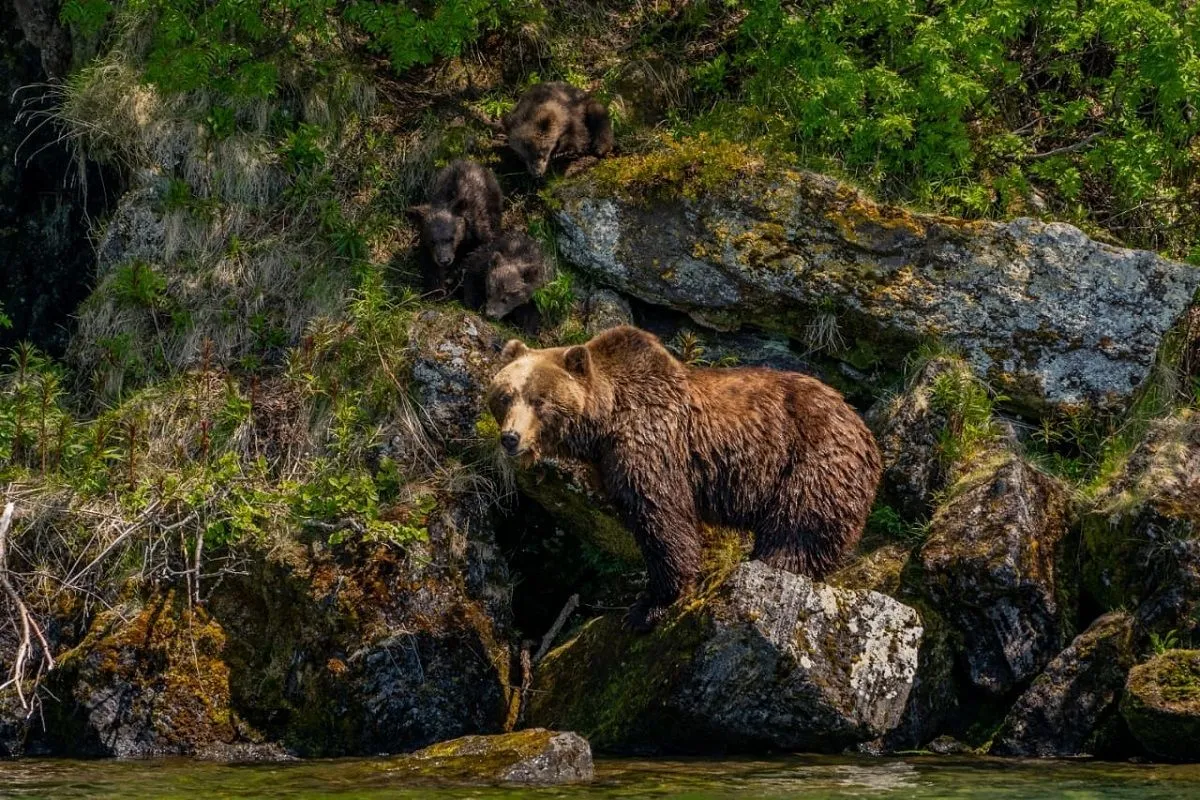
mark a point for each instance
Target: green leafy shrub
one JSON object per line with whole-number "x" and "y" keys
{"x": 981, "y": 107}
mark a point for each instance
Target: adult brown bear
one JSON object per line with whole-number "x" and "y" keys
{"x": 776, "y": 453}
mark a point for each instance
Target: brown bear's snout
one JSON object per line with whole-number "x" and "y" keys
{"x": 510, "y": 441}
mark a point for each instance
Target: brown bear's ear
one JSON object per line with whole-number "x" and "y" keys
{"x": 417, "y": 213}
{"x": 513, "y": 350}
{"x": 578, "y": 361}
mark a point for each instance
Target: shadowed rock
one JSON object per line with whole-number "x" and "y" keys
{"x": 1060, "y": 713}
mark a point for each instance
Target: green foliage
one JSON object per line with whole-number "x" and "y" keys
{"x": 5, "y": 320}
{"x": 968, "y": 409}
{"x": 240, "y": 49}
{"x": 1171, "y": 640}
{"x": 138, "y": 285}
{"x": 976, "y": 106}
{"x": 886, "y": 521}
{"x": 555, "y": 300}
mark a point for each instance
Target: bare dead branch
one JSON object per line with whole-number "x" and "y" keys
{"x": 29, "y": 628}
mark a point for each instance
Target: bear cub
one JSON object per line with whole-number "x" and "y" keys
{"x": 501, "y": 276}
{"x": 556, "y": 120}
{"x": 777, "y": 454}
{"x": 463, "y": 212}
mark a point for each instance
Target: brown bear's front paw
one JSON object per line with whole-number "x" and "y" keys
{"x": 643, "y": 616}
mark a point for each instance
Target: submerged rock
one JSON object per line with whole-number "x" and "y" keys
{"x": 535, "y": 757}
{"x": 1045, "y": 314}
{"x": 1060, "y": 714}
{"x": 1162, "y": 705}
{"x": 992, "y": 569}
{"x": 766, "y": 660}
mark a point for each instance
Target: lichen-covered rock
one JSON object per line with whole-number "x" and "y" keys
{"x": 1141, "y": 534}
{"x": 453, "y": 356}
{"x": 604, "y": 309}
{"x": 992, "y": 569}
{"x": 765, "y": 660}
{"x": 1061, "y": 712}
{"x": 153, "y": 685}
{"x": 363, "y": 648}
{"x": 908, "y": 429}
{"x": 535, "y": 757}
{"x": 1161, "y": 705}
{"x": 1045, "y": 314}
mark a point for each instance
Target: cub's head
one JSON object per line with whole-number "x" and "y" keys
{"x": 538, "y": 397}
{"x": 533, "y": 138}
{"x": 512, "y": 279}
{"x": 442, "y": 232}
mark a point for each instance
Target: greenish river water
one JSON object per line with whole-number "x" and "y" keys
{"x": 795, "y": 778}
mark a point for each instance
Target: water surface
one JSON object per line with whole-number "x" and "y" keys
{"x": 791, "y": 778}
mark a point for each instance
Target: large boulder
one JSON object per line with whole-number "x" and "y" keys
{"x": 1061, "y": 712}
{"x": 1161, "y": 705}
{"x": 535, "y": 757}
{"x": 1048, "y": 316}
{"x": 765, "y": 660}
{"x": 1141, "y": 532}
{"x": 453, "y": 357}
{"x": 993, "y": 568}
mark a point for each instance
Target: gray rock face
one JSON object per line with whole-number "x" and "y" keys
{"x": 766, "y": 660}
{"x": 535, "y": 757}
{"x": 1060, "y": 713}
{"x": 1047, "y": 315}
{"x": 992, "y": 569}
{"x": 453, "y": 355}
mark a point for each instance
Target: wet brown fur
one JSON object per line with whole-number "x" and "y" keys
{"x": 555, "y": 121}
{"x": 776, "y": 453}
{"x": 464, "y": 208}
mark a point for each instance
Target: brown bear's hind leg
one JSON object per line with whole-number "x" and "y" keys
{"x": 809, "y": 548}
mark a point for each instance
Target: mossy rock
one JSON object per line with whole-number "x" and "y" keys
{"x": 995, "y": 567}
{"x": 735, "y": 237}
{"x": 570, "y": 492}
{"x": 152, "y": 684}
{"x": 1162, "y": 705}
{"x": 764, "y": 660}
{"x": 1141, "y": 530}
{"x": 533, "y": 757}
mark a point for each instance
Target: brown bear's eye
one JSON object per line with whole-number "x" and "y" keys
{"x": 537, "y": 403}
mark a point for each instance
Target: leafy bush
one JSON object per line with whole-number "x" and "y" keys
{"x": 237, "y": 47}
{"x": 978, "y": 106}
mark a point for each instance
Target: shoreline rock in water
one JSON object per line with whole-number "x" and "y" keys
{"x": 534, "y": 757}
{"x": 768, "y": 660}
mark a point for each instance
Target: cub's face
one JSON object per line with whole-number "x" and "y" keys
{"x": 443, "y": 232}
{"x": 536, "y": 398}
{"x": 509, "y": 284}
{"x": 535, "y": 139}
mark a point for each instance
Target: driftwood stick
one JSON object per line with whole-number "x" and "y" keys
{"x": 29, "y": 627}
{"x": 552, "y": 634}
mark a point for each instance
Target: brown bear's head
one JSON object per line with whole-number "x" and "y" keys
{"x": 539, "y": 398}
{"x": 442, "y": 232}
{"x": 534, "y": 138}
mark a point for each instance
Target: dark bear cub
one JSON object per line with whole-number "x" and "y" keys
{"x": 500, "y": 277}
{"x": 557, "y": 121}
{"x": 778, "y": 454}
{"x": 463, "y": 211}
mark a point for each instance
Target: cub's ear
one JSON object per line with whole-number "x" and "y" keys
{"x": 578, "y": 361}
{"x": 417, "y": 213}
{"x": 513, "y": 350}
